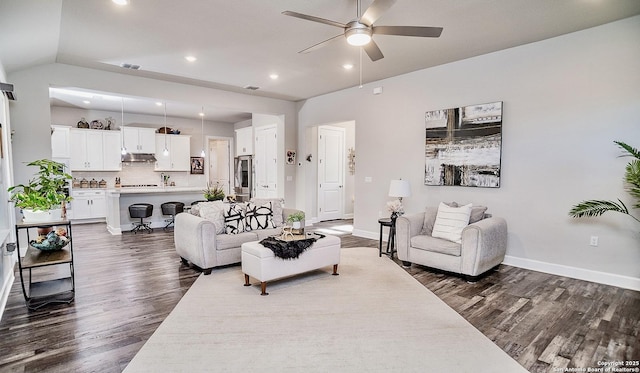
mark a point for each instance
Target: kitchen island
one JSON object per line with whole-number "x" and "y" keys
{"x": 119, "y": 200}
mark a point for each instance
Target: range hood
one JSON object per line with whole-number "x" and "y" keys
{"x": 132, "y": 157}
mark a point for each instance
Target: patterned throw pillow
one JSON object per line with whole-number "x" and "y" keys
{"x": 450, "y": 222}
{"x": 234, "y": 219}
{"x": 259, "y": 216}
{"x": 276, "y": 207}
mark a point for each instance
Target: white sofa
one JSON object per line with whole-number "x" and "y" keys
{"x": 483, "y": 245}
{"x": 198, "y": 243}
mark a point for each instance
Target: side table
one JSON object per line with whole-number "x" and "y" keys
{"x": 56, "y": 290}
{"x": 391, "y": 241}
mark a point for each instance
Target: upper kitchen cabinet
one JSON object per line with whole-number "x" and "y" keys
{"x": 139, "y": 140}
{"x": 244, "y": 141}
{"x": 178, "y": 159}
{"x": 60, "y": 145}
{"x": 111, "y": 142}
{"x": 94, "y": 150}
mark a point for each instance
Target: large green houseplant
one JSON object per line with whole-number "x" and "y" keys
{"x": 632, "y": 180}
{"x": 45, "y": 192}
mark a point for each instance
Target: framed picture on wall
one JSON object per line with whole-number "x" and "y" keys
{"x": 197, "y": 165}
{"x": 463, "y": 146}
{"x": 291, "y": 157}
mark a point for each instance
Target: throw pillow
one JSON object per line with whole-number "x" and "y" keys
{"x": 276, "y": 206}
{"x": 477, "y": 214}
{"x": 214, "y": 212}
{"x": 450, "y": 222}
{"x": 234, "y": 219}
{"x": 259, "y": 216}
{"x": 430, "y": 218}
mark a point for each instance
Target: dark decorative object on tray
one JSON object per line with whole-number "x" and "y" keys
{"x": 54, "y": 240}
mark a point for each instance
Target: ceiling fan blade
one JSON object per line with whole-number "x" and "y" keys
{"x": 373, "y": 51}
{"x": 314, "y": 19}
{"x": 376, "y": 10}
{"x": 320, "y": 44}
{"x": 429, "y": 32}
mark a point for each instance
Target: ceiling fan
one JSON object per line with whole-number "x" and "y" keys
{"x": 359, "y": 31}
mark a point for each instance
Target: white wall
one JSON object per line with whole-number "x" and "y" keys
{"x": 7, "y": 218}
{"x": 565, "y": 101}
{"x": 31, "y": 115}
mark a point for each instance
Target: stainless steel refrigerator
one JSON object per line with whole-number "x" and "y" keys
{"x": 243, "y": 171}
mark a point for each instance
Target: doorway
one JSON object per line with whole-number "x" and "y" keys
{"x": 220, "y": 163}
{"x": 331, "y": 176}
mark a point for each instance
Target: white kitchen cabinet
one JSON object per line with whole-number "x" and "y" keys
{"x": 139, "y": 140}
{"x": 111, "y": 142}
{"x": 60, "y": 146}
{"x": 94, "y": 150}
{"x": 244, "y": 141}
{"x": 86, "y": 150}
{"x": 89, "y": 204}
{"x": 179, "y": 147}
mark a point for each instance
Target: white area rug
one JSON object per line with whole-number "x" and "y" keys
{"x": 373, "y": 317}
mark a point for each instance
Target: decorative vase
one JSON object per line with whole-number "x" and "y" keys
{"x": 31, "y": 216}
{"x": 394, "y": 215}
{"x": 296, "y": 225}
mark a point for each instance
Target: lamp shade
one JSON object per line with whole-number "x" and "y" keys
{"x": 399, "y": 188}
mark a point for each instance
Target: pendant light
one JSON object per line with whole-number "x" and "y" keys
{"x": 165, "y": 152}
{"x": 123, "y": 150}
{"x": 202, "y": 153}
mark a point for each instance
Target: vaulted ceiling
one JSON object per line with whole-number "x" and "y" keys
{"x": 241, "y": 43}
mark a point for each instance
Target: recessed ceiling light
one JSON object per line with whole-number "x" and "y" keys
{"x": 347, "y": 66}
{"x": 273, "y": 76}
{"x": 86, "y": 102}
{"x": 158, "y": 103}
{"x": 190, "y": 58}
{"x": 201, "y": 114}
{"x": 121, "y": 2}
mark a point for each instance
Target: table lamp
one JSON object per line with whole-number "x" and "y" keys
{"x": 398, "y": 188}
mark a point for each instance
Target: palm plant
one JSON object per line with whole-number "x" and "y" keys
{"x": 632, "y": 180}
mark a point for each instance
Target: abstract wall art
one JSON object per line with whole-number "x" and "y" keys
{"x": 463, "y": 146}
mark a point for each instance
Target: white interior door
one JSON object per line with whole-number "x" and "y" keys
{"x": 266, "y": 162}
{"x": 219, "y": 163}
{"x": 330, "y": 173}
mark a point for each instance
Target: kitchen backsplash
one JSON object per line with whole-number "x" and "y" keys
{"x": 141, "y": 173}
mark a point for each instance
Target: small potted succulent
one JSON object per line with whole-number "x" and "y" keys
{"x": 43, "y": 197}
{"x": 296, "y": 219}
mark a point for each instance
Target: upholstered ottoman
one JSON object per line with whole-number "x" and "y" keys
{"x": 260, "y": 263}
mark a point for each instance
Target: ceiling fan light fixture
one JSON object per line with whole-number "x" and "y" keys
{"x": 358, "y": 36}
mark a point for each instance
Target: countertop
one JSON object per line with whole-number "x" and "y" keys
{"x": 160, "y": 189}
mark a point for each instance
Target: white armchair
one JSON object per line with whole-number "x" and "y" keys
{"x": 483, "y": 245}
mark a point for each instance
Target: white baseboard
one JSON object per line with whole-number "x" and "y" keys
{"x": 612, "y": 279}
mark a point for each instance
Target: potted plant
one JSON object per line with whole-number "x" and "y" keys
{"x": 296, "y": 219}
{"x": 632, "y": 180}
{"x": 43, "y": 197}
{"x": 214, "y": 193}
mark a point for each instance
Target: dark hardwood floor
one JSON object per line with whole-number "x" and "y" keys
{"x": 127, "y": 285}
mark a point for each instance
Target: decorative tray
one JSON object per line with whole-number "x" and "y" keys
{"x": 297, "y": 237}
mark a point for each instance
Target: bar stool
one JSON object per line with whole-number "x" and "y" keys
{"x": 172, "y": 209}
{"x": 141, "y": 211}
